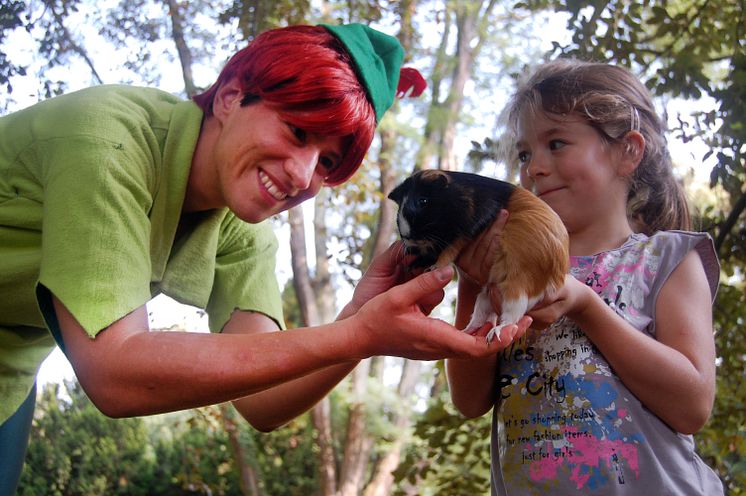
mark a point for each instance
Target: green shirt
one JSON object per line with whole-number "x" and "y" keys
{"x": 91, "y": 189}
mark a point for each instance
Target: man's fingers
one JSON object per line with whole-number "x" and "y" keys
{"x": 391, "y": 256}
{"x": 425, "y": 284}
{"x": 428, "y": 302}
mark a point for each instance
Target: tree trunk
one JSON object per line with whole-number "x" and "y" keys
{"x": 248, "y": 477}
{"x": 472, "y": 24}
{"x": 321, "y": 418}
{"x": 299, "y": 261}
{"x": 322, "y": 282}
{"x": 185, "y": 55}
{"x": 433, "y": 127}
{"x": 358, "y": 442}
{"x": 383, "y": 477}
{"x": 321, "y": 413}
{"x": 387, "y": 211}
{"x": 406, "y": 10}
{"x": 471, "y": 20}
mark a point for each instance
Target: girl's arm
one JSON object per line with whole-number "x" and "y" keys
{"x": 473, "y": 382}
{"x": 673, "y": 375}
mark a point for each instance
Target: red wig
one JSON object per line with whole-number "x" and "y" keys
{"x": 306, "y": 75}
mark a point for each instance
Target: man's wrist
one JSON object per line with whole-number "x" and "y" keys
{"x": 348, "y": 311}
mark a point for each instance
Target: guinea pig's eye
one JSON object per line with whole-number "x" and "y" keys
{"x": 422, "y": 201}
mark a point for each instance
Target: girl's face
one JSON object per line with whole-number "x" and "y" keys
{"x": 564, "y": 161}
{"x": 265, "y": 165}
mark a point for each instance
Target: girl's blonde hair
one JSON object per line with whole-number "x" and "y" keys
{"x": 614, "y": 102}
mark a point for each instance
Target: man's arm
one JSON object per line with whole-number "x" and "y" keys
{"x": 128, "y": 370}
{"x": 276, "y": 406}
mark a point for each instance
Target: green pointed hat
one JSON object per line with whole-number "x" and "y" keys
{"x": 377, "y": 58}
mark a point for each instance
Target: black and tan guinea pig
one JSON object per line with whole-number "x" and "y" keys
{"x": 441, "y": 212}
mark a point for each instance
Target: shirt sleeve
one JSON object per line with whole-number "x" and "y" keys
{"x": 245, "y": 276}
{"x": 96, "y": 232}
{"x": 673, "y": 246}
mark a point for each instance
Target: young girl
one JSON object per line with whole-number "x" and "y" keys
{"x": 603, "y": 394}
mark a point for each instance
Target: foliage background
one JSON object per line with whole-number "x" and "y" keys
{"x": 396, "y": 414}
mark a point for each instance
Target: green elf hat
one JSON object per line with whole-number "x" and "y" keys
{"x": 377, "y": 58}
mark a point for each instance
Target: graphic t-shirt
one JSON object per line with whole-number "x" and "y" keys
{"x": 564, "y": 422}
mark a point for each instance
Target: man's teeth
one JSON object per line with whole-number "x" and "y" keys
{"x": 273, "y": 190}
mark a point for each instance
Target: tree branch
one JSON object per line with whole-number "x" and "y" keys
{"x": 727, "y": 226}
{"x": 74, "y": 44}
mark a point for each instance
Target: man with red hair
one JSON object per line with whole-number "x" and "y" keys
{"x": 113, "y": 194}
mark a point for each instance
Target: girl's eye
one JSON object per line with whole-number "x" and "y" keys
{"x": 556, "y": 144}
{"x": 522, "y": 157}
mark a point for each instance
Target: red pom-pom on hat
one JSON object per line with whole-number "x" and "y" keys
{"x": 411, "y": 83}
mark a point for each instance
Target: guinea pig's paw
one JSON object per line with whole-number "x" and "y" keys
{"x": 483, "y": 311}
{"x": 514, "y": 309}
{"x": 482, "y": 315}
{"x": 471, "y": 328}
{"x": 494, "y": 333}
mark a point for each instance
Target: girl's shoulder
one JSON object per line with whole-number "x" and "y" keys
{"x": 673, "y": 238}
{"x": 670, "y": 248}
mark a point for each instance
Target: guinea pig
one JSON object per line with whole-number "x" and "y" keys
{"x": 441, "y": 212}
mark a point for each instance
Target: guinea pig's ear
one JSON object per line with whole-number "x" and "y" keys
{"x": 441, "y": 180}
{"x": 397, "y": 194}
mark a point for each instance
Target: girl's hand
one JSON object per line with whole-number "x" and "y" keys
{"x": 570, "y": 299}
{"x": 476, "y": 260}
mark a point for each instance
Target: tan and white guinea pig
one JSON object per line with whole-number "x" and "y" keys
{"x": 441, "y": 212}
